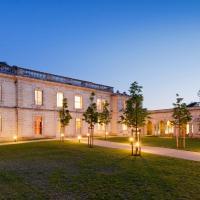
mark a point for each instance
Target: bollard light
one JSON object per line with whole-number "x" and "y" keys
{"x": 88, "y": 134}
{"x": 79, "y": 138}
{"x": 137, "y": 144}
{"x": 131, "y": 139}
{"x": 62, "y": 136}
{"x": 137, "y": 149}
{"x": 15, "y": 138}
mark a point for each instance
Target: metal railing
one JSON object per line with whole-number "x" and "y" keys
{"x": 18, "y": 71}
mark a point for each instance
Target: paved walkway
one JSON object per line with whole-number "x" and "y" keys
{"x": 187, "y": 155}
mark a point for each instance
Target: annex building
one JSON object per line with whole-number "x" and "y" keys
{"x": 159, "y": 122}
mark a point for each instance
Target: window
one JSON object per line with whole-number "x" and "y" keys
{"x": 124, "y": 127}
{"x": 38, "y": 97}
{"x": 120, "y": 105}
{"x": 187, "y": 129}
{"x": 101, "y": 127}
{"x": 78, "y": 125}
{"x": 124, "y": 104}
{"x": 100, "y": 103}
{"x": 78, "y": 102}
{"x": 59, "y": 99}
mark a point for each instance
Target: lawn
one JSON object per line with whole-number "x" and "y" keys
{"x": 50, "y": 170}
{"x": 192, "y": 144}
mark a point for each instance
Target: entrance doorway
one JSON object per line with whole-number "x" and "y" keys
{"x": 38, "y": 125}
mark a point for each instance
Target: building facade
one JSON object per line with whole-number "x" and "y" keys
{"x": 30, "y": 101}
{"x": 159, "y": 122}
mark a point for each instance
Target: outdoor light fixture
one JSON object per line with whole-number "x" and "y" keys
{"x": 137, "y": 149}
{"x": 137, "y": 144}
{"x": 131, "y": 139}
{"x": 62, "y": 136}
{"x": 79, "y": 138}
{"x": 15, "y": 138}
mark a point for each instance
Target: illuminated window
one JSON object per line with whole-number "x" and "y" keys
{"x": 187, "y": 129}
{"x": 121, "y": 104}
{"x": 101, "y": 127}
{"x": 59, "y": 99}
{"x": 100, "y": 103}
{"x": 124, "y": 127}
{"x": 78, "y": 102}
{"x": 38, "y": 97}
{"x": 78, "y": 124}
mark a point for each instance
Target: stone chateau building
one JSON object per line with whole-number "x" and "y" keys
{"x": 30, "y": 101}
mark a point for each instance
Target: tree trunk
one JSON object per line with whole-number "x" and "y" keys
{"x": 105, "y": 133}
{"x": 91, "y": 135}
{"x": 184, "y": 138}
{"x": 62, "y": 131}
{"x": 177, "y": 139}
{"x": 131, "y": 132}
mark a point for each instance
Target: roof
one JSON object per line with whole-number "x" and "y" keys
{"x": 24, "y": 72}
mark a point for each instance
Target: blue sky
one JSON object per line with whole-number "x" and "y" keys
{"x": 154, "y": 42}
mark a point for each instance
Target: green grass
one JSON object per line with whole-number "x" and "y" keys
{"x": 192, "y": 144}
{"x": 50, "y": 170}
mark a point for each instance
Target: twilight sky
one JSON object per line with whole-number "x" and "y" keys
{"x": 113, "y": 42}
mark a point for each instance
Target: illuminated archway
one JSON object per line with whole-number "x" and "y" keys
{"x": 149, "y": 128}
{"x": 162, "y": 127}
{"x": 169, "y": 128}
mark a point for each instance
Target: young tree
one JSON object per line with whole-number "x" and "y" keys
{"x": 91, "y": 117}
{"x": 134, "y": 115}
{"x": 181, "y": 116}
{"x": 105, "y": 116}
{"x": 64, "y": 116}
